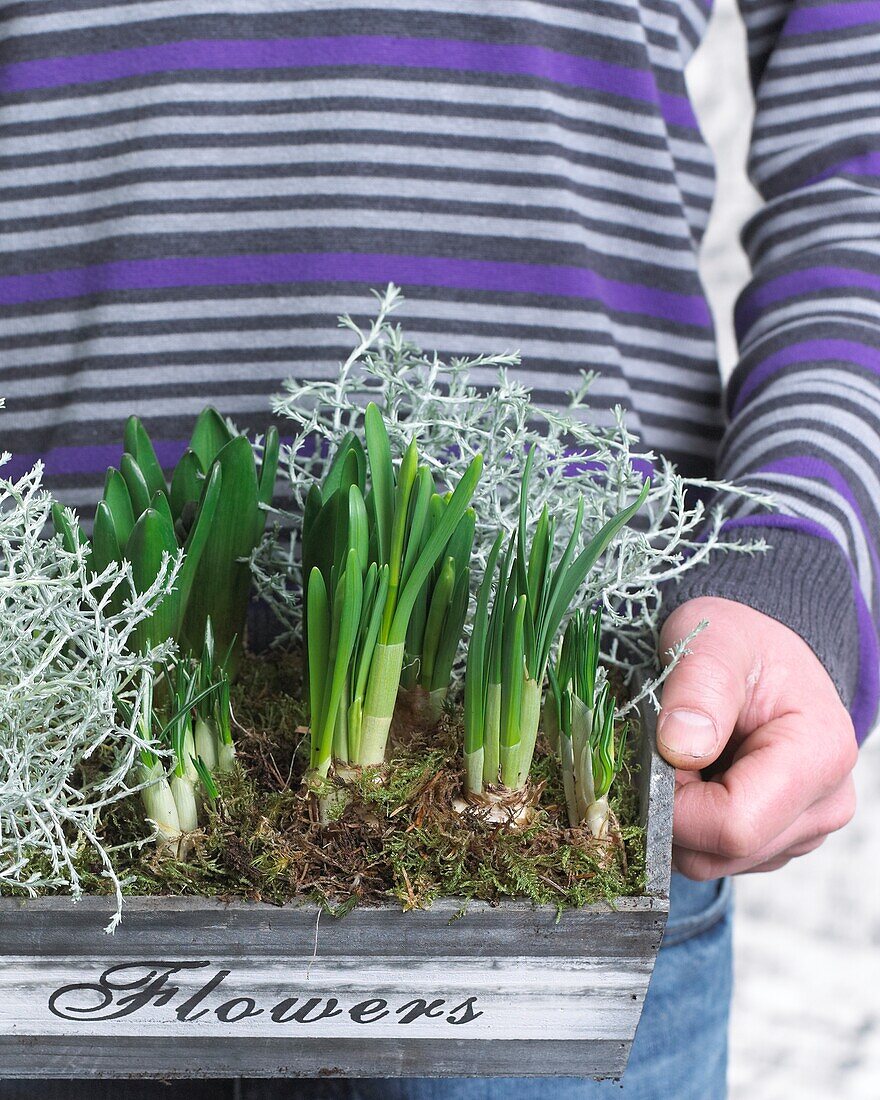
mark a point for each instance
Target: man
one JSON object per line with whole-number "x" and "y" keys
{"x": 191, "y": 189}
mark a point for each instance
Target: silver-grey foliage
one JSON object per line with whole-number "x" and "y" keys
{"x": 65, "y": 749}
{"x": 453, "y": 419}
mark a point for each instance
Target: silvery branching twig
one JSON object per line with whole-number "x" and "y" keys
{"x": 453, "y": 418}
{"x": 66, "y": 750}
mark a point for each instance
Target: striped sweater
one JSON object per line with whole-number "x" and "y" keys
{"x": 192, "y": 190}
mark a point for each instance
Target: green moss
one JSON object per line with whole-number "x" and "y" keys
{"x": 395, "y": 840}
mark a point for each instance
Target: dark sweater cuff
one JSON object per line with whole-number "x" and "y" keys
{"x": 802, "y": 581}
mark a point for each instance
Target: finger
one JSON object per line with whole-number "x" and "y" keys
{"x": 702, "y": 867}
{"x": 787, "y": 856}
{"x": 808, "y": 832}
{"x": 778, "y": 773}
{"x": 703, "y": 696}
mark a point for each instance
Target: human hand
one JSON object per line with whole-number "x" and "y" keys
{"x": 752, "y": 699}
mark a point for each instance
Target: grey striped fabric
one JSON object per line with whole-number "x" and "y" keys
{"x": 192, "y": 190}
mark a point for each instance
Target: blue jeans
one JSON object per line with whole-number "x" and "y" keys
{"x": 680, "y": 1049}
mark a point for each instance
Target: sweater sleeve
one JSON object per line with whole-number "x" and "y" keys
{"x": 803, "y": 404}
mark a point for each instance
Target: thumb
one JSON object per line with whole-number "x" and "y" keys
{"x": 705, "y": 693}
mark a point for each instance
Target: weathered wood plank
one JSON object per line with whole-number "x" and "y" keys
{"x": 570, "y": 999}
{"x": 145, "y": 1057}
{"x": 60, "y": 927}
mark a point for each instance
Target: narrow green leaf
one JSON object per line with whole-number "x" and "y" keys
{"x": 433, "y": 548}
{"x": 268, "y": 471}
{"x": 539, "y": 559}
{"x": 313, "y": 506}
{"x": 561, "y": 570}
{"x": 347, "y": 606}
{"x": 371, "y": 636}
{"x": 381, "y": 477}
{"x": 575, "y": 575}
{"x": 342, "y": 511}
{"x": 522, "y": 579}
{"x": 477, "y": 671}
{"x": 419, "y": 519}
{"x": 318, "y": 642}
{"x": 441, "y": 600}
{"x": 350, "y": 445}
{"x": 319, "y": 547}
{"x": 603, "y": 761}
{"x": 358, "y": 531}
{"x": 185, "y": 698}
{"x": 592, "y": 646}
{"x": 514, "y": 671}
{"x": 194, "y": 550}
{"x": 536, "y": 654}
{"x": 415, "y": 640}
{"x": 406, "y": 479}
{"x": 555, "y": 696}
{"x": 206, "y": 778}
{"x": 371, "y": 586}
{"x": 461, "y": 545}
{"x": 504, "y": 600}
{"x": 453, "y": 629}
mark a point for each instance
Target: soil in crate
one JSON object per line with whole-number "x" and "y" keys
{"x": 400, "y": 839}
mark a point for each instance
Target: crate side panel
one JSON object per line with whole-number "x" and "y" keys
{"x": 337, "y": 998}
{"x": 60, "y": 927}
{"x": 149, "y": 1058}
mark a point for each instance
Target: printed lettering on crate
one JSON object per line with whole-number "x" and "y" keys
{"x": 158, "y": 995}
{"x": 341, "y": 997}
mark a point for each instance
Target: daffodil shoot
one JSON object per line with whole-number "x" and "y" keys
{"x": 580, "y": 718}
{"x": 525, "y": 595}
{"x": 186, "y": 741}
{"x": 374, "y": 532}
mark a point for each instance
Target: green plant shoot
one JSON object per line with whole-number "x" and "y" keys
{"x": 213, "y": 513}
{"x": 369, "y": 556}
{"x": 580, "y": 710}
{"x": 438, "y": 618}
{"x": 183, "y": 747}
{"x": 511, "y": 643}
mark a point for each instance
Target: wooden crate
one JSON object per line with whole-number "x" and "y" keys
{"x": 196, "y": 988}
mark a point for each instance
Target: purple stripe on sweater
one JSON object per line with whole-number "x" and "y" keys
{"x": 91, "y": 459}
{"x": 865, "y": 164}
{"x": 812, "y": 468}
{"x": 867, "y": 695}
{"x": 794, "y": 284}
{"x": 580, "y": 463}
{"x": 375, "y": 269}
{"x": 807, "y": 351}
{"x": 403, "y": 53}
{"x": 95, "y": 458}
{"x": 835, "y": 16}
